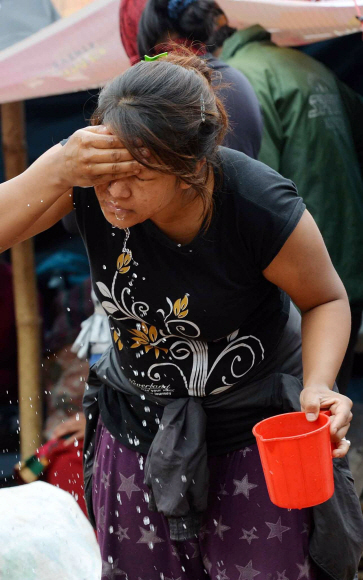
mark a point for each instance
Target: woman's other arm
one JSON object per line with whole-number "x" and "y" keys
{"x": 304, "y": 270}
{"x": 35, "y": 200}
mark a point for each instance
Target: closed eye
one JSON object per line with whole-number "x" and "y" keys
{"x": 139, "y": 178}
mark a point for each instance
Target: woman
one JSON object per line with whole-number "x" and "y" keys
{"x": 193, "y": 250}
{"x": 202, "y": 25}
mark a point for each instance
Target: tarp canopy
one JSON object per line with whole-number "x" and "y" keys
{"x": 84, "y": 50}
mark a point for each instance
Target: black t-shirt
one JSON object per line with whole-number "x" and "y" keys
{"x": 200, "y": 318}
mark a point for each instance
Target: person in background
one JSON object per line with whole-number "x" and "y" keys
{"x": 145, "y": 24}
{"x": 313, "y": 135}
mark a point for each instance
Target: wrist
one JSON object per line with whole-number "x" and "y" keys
{"x": 311, "y": 384}
{"x": 51, "y": 165}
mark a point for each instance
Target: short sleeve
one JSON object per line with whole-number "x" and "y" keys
{"x": 277, "y": 215}
{"x": 267, "y": 206}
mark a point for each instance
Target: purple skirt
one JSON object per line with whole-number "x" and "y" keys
{"x": 244, "y": 536}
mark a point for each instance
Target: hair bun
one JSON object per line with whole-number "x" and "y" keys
{"x": 182, "y": 55}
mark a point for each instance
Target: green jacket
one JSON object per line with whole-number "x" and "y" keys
{"x": 313, "y": 134}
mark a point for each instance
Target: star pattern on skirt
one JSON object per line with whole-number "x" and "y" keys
{"x": 149, "y": 537}
{"x": 304, "y": 569}
{"x": 203, "y": 532}
{"x": 245, "y": 451}
{"x": 222, "y": 574}
{"x": 110, "y": 570}
{"x": 222, "y": 491}
{"x": 243, "y": 486}
{"x": 207, "y": 564}
{"x": 247, "y": 572}
{"x": 175, "y": 552}
{"x": 196, "y": 550}
{"x": 128, "y": 485}
{"x": 276, "y": 530}
{"x": 306, "y": 528}
{"x": 220, "y": 528}
{"x": 122, "y": 533}
{"x": 281, "y": 576}
{"x": 101, "y": 518}
{"x": 105, "y": 479}
{"x": 249, "y": 536}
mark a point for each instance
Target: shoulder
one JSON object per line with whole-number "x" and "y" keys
{"x": 264, "y": 205}
{"x": 251, "y": 181}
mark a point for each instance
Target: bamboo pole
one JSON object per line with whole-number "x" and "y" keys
{"x": 28, "y": 321}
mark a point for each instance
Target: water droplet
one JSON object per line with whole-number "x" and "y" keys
{"x": 183, "y": 478}
{"x": 146, "y": 521}
{"x": 104, "y": 267}
{"x": 110, "y": 529}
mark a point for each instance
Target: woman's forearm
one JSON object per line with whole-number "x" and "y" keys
{"x": 24, "y": 199}
{"x": 325, "y": 336}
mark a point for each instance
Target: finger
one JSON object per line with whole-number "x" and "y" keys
{"x": 341, "y": 414}
{"x": 115, "y": 168}
{"x": 310, "y": 404}
{"x": 77, "y": 436}
{"x": 70, "y": 440}
{"x": 341, "y": 433}
{"x": 108, "y": 155}
{"x": 60, "y": 430}
{"x": 97, "y": 129}
{"x": 342, "y": 448}
{"x": 100, "y": 139}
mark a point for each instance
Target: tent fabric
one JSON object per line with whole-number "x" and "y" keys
{"x": 84, "y": 50}
{"x": 22, "y": 18}
{"x": 62, "y": 544}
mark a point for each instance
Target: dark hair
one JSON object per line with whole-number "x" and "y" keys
{"x": 161, "y": 104}
{"x": 197, "y": 22}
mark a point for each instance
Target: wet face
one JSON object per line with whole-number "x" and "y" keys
{"x": 148, "y": 195}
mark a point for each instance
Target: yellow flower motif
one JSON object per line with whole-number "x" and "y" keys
{"x": 117, "y": 339}
{"x": 122, "y": 262}
{"x": 180, "y": 307}
{"x": 146, "y": 337}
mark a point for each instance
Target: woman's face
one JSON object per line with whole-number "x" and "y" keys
{"x": 148, "y": 195}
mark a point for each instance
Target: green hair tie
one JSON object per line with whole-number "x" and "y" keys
{"x": 152, "y": 58}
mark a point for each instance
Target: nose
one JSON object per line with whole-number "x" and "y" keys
{"x": 119, "y": 189}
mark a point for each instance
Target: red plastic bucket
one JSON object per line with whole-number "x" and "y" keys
{"x": 296, "y": 457}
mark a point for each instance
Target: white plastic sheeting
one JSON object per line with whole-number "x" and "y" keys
{"x": 44, "y": 535}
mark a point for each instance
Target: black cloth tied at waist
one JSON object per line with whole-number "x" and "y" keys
{"x": 176, "y": 466}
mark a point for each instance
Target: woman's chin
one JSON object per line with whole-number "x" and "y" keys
{"x": 120, "y": 221}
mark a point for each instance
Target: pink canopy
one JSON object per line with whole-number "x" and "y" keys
{"x": 84, "y": 50}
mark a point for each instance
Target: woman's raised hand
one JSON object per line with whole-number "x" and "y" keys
{"x": 93, "y": 156}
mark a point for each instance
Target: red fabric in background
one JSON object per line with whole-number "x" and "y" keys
{"x": 65, "y": 471}
{"x": 130, "y": 14}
